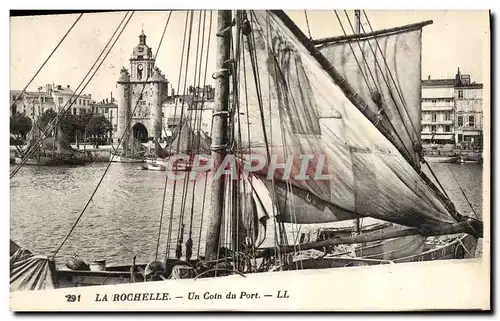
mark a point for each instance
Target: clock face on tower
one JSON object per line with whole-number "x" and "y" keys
{"x": 139, "y": 71}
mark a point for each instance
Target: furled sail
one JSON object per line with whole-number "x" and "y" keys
{"x": 59, "y": 143}
{"x": 30, "y": 272}
{"x": 136, "y": 147}
{"x": 353, "y": 167}
{"x": 32, "y": 137}
{"x": 250, "y": 213}
{"x": 188, "y": 140}
{"x": 384, "y": 67}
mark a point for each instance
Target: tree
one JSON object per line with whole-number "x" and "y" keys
{"x": 75, "y": 126}
{"x": 20, "y": 125}
{"x": 46, "y": 118}
{"x": 98, "y": 125}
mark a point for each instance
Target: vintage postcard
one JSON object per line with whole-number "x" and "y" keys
{"x": 250, "y": 160}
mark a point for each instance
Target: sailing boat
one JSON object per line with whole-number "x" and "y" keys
{"x": 185, "y": 140}
{"x": 357, "y": 57}
{"x": 51, "y": 151}
{"x": 132, "y": 152}
{"x": 355, "y": 170}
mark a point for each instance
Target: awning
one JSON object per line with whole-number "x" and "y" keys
{"x": 437, "y": 137}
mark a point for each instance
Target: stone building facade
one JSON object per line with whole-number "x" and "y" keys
{"x": 452, "y": 110}
{"x": 141, "y": 92}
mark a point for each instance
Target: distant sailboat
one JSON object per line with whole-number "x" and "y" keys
{"x": 51, "y": 151}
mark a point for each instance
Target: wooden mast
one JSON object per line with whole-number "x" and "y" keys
{"x": 219, "y": 132}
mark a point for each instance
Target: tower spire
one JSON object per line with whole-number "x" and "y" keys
{"x": 142, "y": 37}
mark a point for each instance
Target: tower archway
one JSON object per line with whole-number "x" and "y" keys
{"x": 140, "y": 132}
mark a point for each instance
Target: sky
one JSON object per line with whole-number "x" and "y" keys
{"x": 455, "y": 39}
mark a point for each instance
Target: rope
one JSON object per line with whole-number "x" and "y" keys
{"x": 390, "y": 74}
{"x": 102, "y": 177}
{"x": 180, "y": 230}
{"x": 387, "y": 84}
{"x": 161, "y": 215}
{"x": 111, "y": 159}
{"x": 169, "y": 234}
{"x": 206, "y": 176}
{"x": 354, "y": 55}
{"x": 307, "y": 23}
{"x": 463, "y": 193}
{"x": 253, "y": 60}
{"x": 70, "y": 102}
{"x": 189, "y": 242}
{"x": 248, "y": 124}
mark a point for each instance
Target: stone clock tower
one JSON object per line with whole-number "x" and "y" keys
{"x": 140, "y": 95}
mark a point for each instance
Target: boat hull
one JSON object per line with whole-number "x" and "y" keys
{"x": 156, "y": 167}
{"x": 459, "y": 247}
{"x": 390, "y": 249}
{"x": 123, "y": 159}
{"x": 442, "y": 159}
{"x": 47, "y": 161}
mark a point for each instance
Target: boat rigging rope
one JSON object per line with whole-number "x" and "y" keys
{"x": 170, "y": 146}
{"x": 388, "y": 86}
{"x": 247, "y": 114}
{"x": 189, "y": 242}
{"x": 463, "y": 193}
{"x": 121, "y": 138}
{"x": 256, "y": 76}
{"x": 403, "y": 102}
{"x": 180, "y": 238}
{"x": 161, "y": 216}
{"x": 71, "y": 101}
{"x": 390, "y": 75}
{"x": 307, "y": 23}
{"x": 46, "y": 60}
{"x": 355, "y": 58}
{"x": 180, "y": 230}
{"x": 189, "y": 17}
{"x": 291, "y": 204}
{"x": 206, "y": 175}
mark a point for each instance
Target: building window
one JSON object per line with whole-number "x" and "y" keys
{"x": 82, "y": 111}
{"x": 434, "y": 118}
{"x": 447, "y": 128}
{"x": 460, "y": 121}
{"x": 460, "y": 137}
{"x": 111, "y": 113}
{"x": 434, "y": 101}
{"x": 460, "y": 94}
{"x": 433, "y": 128}
{"x": 60, "y": 100}
{"x": 471, "y": 121}
{"x": 79, "y": 101}
{"x": 447, "y": 116}
{"x": 74, "y": 111}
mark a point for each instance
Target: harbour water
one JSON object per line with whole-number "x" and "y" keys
{"x": 123, "y": 218}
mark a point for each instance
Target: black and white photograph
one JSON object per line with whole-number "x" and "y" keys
{"x": 202, "y": 160}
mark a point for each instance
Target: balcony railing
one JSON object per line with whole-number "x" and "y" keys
{"x": 438, "y": 122}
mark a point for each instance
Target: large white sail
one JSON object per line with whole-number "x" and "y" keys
{"x": 384, "y": 67}
{"x": 306, "y": 113}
